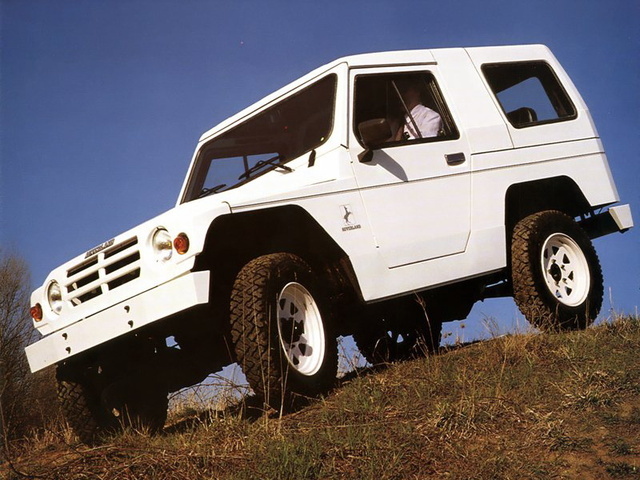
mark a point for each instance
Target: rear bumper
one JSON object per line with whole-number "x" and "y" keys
{"x": 160, "y": 302}
{"x": 622, "y": 216}
{"x": 615, "y": 219}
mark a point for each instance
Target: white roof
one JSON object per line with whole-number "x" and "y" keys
{"x": 392, "y": 58}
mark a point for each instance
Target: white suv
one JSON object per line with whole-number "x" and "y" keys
{"x": 378, "y": 196}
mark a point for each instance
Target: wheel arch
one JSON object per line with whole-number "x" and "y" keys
{"x": 560, "y": 193}
{"x": 234, "y": 239}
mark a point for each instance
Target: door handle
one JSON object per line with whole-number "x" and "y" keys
{"x": 455, "y": 158}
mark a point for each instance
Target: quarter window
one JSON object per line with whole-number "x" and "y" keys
{"x": 529, "y": 93}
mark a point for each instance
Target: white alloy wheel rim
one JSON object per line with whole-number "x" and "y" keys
{"x": 565, "y": 270}
{"x": 300, "y": 329}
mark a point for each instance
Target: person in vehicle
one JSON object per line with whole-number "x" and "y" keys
{"x": 422, "y": 122}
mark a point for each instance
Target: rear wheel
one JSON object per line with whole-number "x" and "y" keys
{"x": 396, "y": 331}
{"x": 280, "y": 330}
{"x": 556, "y": 275}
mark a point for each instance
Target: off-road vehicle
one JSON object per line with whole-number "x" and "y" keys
{"x": 324, "y": 210}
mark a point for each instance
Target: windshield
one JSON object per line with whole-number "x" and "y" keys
{"x": 267, "y": 141}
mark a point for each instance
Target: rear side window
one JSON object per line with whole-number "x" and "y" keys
{"x": 529, "y": 93}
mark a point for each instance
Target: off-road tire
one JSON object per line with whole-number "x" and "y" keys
{"x": 396, "y": 331}
{"x": 81, "y": 408}
{"x": 91, "y": 416}
{"x": 261, "y": 293}
{"x": 555, "y": 272}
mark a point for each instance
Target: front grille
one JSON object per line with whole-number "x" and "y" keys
{"x": 106, "y": 271}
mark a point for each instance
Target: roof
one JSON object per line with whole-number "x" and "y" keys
{"x": 391, "y": 58}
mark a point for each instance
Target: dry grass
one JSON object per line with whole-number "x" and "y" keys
{"x": 515, "y": 407}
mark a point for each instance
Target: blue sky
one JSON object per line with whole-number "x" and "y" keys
{"x": 102, "y": 102}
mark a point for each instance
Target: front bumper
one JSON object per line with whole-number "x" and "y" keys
{"x": 160, "y": 302}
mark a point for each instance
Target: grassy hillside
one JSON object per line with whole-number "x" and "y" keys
{"x": 515, "y": 407}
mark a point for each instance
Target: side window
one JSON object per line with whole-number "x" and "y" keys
{"x": 529, "y": 93}
{"x": 404, "y": 108}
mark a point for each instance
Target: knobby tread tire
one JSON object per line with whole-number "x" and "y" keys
{"x": 530, "y": 292}
{"x": 81, "y": 410}
{"x": 145, "y": 409}
{"x": 254, "y": 331}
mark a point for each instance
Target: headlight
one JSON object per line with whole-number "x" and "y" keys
{"x": 162, "y": 245}
{"x": 54, "y": 297}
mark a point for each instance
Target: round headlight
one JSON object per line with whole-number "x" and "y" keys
{"x": 162, "y": 244}
{"x": 54, "y": 297}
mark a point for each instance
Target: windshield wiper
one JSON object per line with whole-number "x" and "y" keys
{"x": 274, "y": 161}
{"x": 208, "y": 191}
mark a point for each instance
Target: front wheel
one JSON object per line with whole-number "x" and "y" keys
{"x": 81, "y": 407}
{"x": 556, "y": 275}
{"x": 94, "y": 407}
{"x": 280, "y": 330}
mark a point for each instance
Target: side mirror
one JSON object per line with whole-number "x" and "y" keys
{"x": 373, "y": 133}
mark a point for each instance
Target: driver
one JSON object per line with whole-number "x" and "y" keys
{"x": 422, "y": 122}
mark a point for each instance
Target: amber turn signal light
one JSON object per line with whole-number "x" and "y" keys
{"x": 36, "y": 312}
{"x": 181, "y": 243}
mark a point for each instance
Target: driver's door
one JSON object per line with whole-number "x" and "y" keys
{"x": 416, "y": 192}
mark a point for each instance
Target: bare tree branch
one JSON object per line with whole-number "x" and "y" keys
{"x": 22, "y": 394}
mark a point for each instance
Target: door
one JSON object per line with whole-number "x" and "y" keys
{"x": 416, "y": 188}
